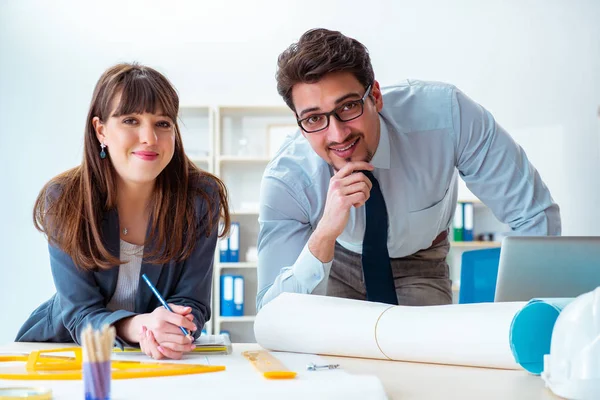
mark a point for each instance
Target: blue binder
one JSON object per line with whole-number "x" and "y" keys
{"x": 238, "y": 295}
{"x": 224, "y": 250}
{"x": 223, "y": 246}
{"x": 227, "y": 306}
{"x": 234, "y": 243}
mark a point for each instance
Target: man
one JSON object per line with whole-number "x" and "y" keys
{"x": 358, "y": 204}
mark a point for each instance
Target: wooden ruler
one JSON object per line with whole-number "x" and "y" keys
{"x": 268, "y": 365}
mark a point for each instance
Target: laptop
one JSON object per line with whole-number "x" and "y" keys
{"x": 547, "y": 266}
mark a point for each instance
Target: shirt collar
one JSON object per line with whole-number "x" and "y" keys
{"x": 381, "y": 159}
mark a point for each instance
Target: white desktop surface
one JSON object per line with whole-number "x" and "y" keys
{"x": 355, "y": 379}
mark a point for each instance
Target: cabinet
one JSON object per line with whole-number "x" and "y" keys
{"x": 236, "y": 143}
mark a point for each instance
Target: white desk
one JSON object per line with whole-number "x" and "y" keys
{"x": 401, "y": 380}
{"x": 405, "y": 380}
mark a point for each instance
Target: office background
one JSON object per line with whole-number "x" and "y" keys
{"x": 534, "y": 64}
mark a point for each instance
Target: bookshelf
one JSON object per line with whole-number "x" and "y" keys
{"x": 484, "y": 222}
{"x": 245, "y": 138}
{"x": 475, "y": 244}
{"x": 236, "y": 143}
{"x": 197, "y": 125}
{"x": 241, "y": 264}
{"x": 242, "y": 160}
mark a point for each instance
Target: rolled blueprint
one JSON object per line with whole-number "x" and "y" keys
{"x": 460, "y": 334}
{"x": 532, "y": 329}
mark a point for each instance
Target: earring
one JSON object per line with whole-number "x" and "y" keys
{"x": 102, "y": 152}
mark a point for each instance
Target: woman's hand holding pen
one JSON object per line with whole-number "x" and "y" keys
{"x": 160, "y": 335}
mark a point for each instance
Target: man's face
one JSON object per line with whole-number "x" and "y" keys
{"x": 340, "y": 142}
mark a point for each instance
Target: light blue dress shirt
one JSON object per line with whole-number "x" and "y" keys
{"x": 429, "y": 133}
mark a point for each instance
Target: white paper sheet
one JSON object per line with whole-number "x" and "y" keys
{"x": 461, "y": 334}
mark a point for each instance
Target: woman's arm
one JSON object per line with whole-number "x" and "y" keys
{"x": 81, "y": 300}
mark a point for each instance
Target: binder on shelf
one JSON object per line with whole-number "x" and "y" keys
{"x": 223, "y": 246}
{"x": 468, "y": 222}
{"x": 234, "y": 243}
{"x": 224, "y": 250}
{"x": 227, "y": 306}
{"x": 457, "y": 223}
{"x": 238, "y": 295}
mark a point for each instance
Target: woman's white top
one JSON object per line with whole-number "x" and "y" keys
{"x": 129, "y": 278}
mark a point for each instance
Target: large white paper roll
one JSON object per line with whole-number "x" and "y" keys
{"x": 319, "y": 325}
{"x": 461, "y": 334}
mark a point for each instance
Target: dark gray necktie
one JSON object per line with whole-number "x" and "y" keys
{"x": 377, "y": 269}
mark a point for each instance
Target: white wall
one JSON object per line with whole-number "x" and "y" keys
{"x": 534, "y": 64}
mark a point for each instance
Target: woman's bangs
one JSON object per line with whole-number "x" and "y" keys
{"x": 145, "y": 95}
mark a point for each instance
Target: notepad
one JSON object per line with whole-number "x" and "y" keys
{"x": 208, "y": 344}
{"x": 213, "y": 344}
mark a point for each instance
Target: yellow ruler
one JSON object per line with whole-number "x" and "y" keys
{"x": 38, "y": 365}
{"x": 268, "y": 365}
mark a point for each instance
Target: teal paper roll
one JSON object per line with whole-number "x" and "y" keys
{"x": 531, "y": 332}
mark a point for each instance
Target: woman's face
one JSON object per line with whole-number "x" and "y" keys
{"x": 139, "y": 145}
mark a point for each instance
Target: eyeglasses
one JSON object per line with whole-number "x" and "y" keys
{"x": 344, "y": 113}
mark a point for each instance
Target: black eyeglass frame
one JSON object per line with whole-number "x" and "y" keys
{"x": 361, "y": 101}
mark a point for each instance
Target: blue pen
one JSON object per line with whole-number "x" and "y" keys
{"x": 162, "y": 301}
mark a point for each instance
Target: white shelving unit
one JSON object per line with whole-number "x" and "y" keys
{"x": 245, "y": 212}
{"x": 196, "y": 124}
{"x": 197, "y": 131}
{"x": 243, "y": 148}
{"x": 245, "y": 318}
{"x": 475, "y": 245}
{"x": 238, "y": 265}
{"x": 484, "y": 221}
{"x": 236, "y": 144}
{"x": 242, "y": 159}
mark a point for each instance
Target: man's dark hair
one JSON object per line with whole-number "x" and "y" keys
{"x": 317, "y": 53}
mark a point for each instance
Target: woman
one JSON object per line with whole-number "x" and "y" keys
{"x": 136, "y": 205}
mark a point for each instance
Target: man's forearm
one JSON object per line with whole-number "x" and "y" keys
{"x": 307, "y": 272}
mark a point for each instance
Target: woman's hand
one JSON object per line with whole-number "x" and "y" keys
{"x": 165, "y": 324}
{"x": 153, "y": 349}
{"x": 158, "y": 332}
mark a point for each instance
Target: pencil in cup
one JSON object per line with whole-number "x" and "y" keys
{"x": 162, "y": 301}
{"x": 97, "y": 350}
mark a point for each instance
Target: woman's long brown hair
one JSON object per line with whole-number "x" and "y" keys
{"x": 71, "y": 206}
